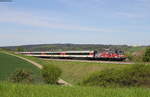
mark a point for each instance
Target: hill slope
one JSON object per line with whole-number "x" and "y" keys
{"x": 8, "y": 64}
{"x": 64, "y": 47}
{"x": 75, "y": 71}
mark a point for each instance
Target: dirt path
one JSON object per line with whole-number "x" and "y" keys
{"x": 60, "y": 81}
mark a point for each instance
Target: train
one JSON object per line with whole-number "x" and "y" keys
{"x": 106, "y": 55}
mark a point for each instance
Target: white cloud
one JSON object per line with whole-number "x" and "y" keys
{"x": 9, "y": 15}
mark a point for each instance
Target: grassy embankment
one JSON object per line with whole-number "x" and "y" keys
{"x": 23, "y": 90}
{"x": 74, "y": 71}
{"x": 8, "y": 64}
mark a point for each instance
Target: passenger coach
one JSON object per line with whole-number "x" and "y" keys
{"x": 64, "y": 54}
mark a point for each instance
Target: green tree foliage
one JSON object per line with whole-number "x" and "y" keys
{"x": 146, "y": 57}
{"x": 135, "y": 75}
{"x": 20, "y": 49}
{"x": 51, "y": 74}
{"x": 21, "y": 76}
{"x": 136, "y": 54}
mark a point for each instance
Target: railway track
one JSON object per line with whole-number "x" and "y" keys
{"x": 96, "y": 61}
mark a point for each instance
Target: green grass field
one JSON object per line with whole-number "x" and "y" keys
{"x": 74, "y": 71}
{"x": 23, "y": 90}
{"x": 8, "y": 64}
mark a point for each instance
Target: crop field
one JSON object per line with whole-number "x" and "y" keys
{"x": 23, "y": 90}
{"x": 74, "y": 71}
{"x": 8, "y": 64}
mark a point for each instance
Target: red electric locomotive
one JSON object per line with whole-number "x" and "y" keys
{"x": 107, "y": 54}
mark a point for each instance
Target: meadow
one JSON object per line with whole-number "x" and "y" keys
{"x": 24, "y": 90}
{"x": 75, "y": 71}
{"x": 9, "y": 64}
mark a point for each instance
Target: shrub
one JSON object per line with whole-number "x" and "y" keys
{"x": 136, "y": 56}
{"x": 51, "y": 74}
{"x": 129, "y": 56}
{"x": 135, "y": 75}
{"x": 20, "y": 49}
{"x": 146, "y": 57}
{"x": 21, "y": 76}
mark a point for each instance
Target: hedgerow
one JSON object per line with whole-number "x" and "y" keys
{"x": 135, "y": 75}
{"x": 146, "y": 57}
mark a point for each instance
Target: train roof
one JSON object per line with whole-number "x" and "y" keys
{"x": 59, "y": 52}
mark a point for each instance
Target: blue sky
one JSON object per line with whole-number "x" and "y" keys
{"x": 75, "y": 21}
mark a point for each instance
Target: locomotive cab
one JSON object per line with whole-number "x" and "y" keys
{"x": 113, "y": 55}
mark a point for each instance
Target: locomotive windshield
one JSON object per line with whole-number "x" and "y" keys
{"x": 119, "y": 52}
